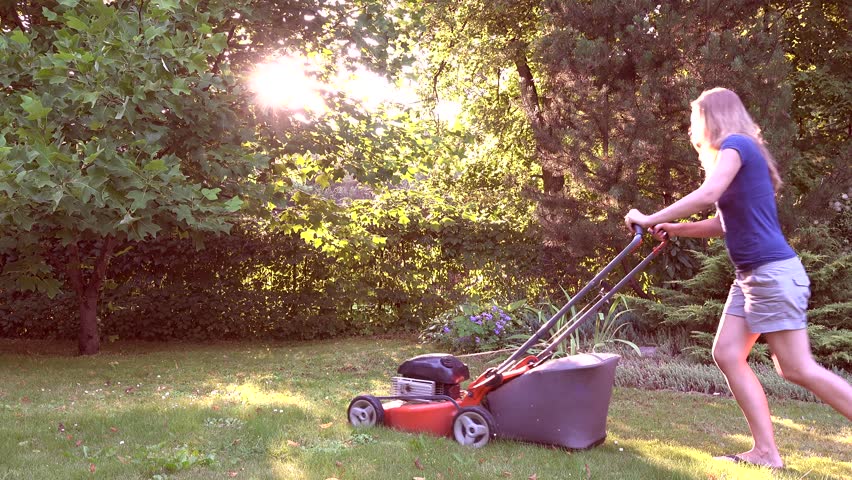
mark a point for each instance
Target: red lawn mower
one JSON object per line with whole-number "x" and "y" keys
{"x": 533, "y": 398}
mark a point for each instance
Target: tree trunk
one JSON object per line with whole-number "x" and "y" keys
{"x": 88, "y": 292}
{"x": 88, "y": 340}
{"x": 553, "y": 182}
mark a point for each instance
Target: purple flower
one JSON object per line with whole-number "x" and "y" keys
{"x": 446, "y": 329}
{"x": 477, "y": 339}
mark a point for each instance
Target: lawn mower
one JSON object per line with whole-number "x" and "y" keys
{"x": 536, "y": 398}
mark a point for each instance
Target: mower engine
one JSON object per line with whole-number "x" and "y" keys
{"x": 431, "y": 374}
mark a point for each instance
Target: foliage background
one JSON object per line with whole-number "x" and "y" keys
{"x": 363, "y": 221}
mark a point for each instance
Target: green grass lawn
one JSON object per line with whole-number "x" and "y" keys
{"x": 251, "y": 411}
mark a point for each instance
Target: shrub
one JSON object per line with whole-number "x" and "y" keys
{"x": 695, "y": 304}
{"x": 474, "y": 327}
{"x": 265, "y": 283}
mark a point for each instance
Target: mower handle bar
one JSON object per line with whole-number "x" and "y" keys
{"x": 593, "y": 310}
{"x": 544, "y": 329}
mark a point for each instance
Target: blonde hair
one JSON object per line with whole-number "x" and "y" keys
{"x": 724, "y": 114}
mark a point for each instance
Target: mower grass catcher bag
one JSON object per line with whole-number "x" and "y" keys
{"x": 563, "y": 402}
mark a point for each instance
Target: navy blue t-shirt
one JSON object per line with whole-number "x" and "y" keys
{"x": 748, "y": 212}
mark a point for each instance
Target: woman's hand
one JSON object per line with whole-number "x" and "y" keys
{"x": 663, "y": 231}
{"x": 635, "y": 217}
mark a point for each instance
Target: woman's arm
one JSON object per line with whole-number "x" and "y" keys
{"x": 712, "y": 227}
{"x": 700, "y": 199}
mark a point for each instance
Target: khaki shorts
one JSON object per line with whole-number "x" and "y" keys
{"x": 772, "y": 297}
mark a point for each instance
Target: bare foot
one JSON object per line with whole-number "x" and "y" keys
{"x": 754, "y": 458}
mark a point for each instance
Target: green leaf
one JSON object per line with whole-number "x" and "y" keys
{"x": 19, "y": 37}
{"x": 140, "y": 199}
{"x": 58, "y": 79}
{"x": 9, "y": 189}
{"x": 50, "y": 287}
{"x": 184, "y": 214}
{"x": 153, "y": 31}
{"x": 52, "y": 16}
{"x": 322, "y": 180}
{"x": 34, "y": 107}
{"x": 198, "y": 63}
{"x": 91, "y": 97}
{"x": 69, "y": 3}
{"x": 57, "y": 197}
{"x": 233, "y": 204}
{"x": 158, "y": 165}
{"x": 219, "y": 41}
{"x": 179, "y": 86}
{"x": 146, "y": 228}
{"x": 76, "y": 23}
{"x": 167, "y": 5}
{"x": 211, "y": 193}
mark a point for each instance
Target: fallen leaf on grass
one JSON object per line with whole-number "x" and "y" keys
{"x": 69, "y": 437}
{"x": 215, "y": 407}
{"x": 78, "y": 443}
{"x": 326, "y": 425}
{"x": 588, "y": 472}
{"x": 291, "y": 443}
{"x": 92, "y": 467}
{"x": 418, "y": 464}
{"x": 232, "y": 473}
{"x": 507, "y": 474}
{"x": 338, "y": 464}
{"x": 533, "y": 477}
{"x": 113, "y": 429}
{"x": 419, "y": 478}
{"x": 121, "y": 459}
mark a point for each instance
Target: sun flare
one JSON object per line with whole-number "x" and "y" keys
{"x": 286, "y": 83}
{"x": 290, "y": 83}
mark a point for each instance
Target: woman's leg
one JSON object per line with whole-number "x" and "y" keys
{"x": 791, "y": 353}
{"x": 730, "y": 351}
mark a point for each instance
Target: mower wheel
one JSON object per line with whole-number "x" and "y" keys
{"x": 365, "y": 411}
{"x": 474, "y": 427}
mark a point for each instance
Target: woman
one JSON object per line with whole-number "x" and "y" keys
{"x": 770, "y": 293}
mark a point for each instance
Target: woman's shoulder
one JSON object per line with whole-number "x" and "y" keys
{"x": 747, "y": 147}
{"x": 736, "y": 140}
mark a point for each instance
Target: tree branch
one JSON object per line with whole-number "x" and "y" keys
{"x": 102, "y": 263}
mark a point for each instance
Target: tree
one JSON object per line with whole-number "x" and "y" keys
{"x": 120, "y": 121}
{"x": 816, "y": 40}
{"x": 137, "y": 122}
{"x": 603, "y": 88}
